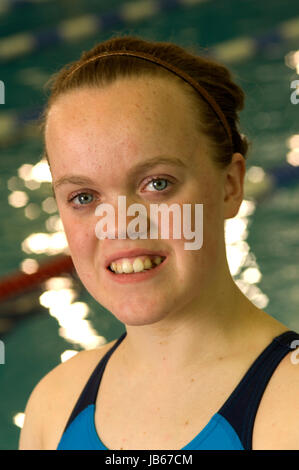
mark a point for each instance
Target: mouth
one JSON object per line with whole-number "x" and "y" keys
{"x": 130, "y": 255}
{"x": 136, "y": 264}
{"x": 127, "y": 269}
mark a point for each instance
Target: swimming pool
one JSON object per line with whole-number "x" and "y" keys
{"x": 263, "y": 246}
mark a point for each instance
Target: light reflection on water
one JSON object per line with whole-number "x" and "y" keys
{"x": 59, "y": 297}
{"x": 281, "y": 234}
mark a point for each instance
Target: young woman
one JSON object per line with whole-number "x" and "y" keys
{"x": 199, "y": 366}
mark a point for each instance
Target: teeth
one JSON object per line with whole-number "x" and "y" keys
{"x": 119, "y": 268}
{"x": 127, "y": 267}
{"x": 147, "y": 263}
{"x": 137, "y": 266}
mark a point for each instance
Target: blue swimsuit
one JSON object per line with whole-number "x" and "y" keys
{"x": 229, "y": 429}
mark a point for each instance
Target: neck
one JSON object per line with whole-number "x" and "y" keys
{"x": 205, "y": 329}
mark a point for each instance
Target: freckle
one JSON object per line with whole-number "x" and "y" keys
{"x": 192, "y": 380}
{"x": 186, "y": 422}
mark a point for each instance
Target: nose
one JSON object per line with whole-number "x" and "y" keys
{"x": 119, "y": 219}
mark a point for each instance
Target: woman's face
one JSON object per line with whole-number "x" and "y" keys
{"x": 102, "y": 135}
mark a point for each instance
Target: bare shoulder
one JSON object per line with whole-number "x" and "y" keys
{"x": 53, "y": 399}
{"x": 276, "y": 425}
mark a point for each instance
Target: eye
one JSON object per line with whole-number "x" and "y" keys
{"x": 159, "y": 184}
{"x": 84, "y": 198}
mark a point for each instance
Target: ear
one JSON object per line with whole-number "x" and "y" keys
{"x": 234, "y": 176}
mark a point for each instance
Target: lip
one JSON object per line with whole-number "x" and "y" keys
{"x": 137, "y": 277}
{"x": 130, "y": 253}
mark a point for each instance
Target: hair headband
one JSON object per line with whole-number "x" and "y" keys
{"x": 186, "y": 77}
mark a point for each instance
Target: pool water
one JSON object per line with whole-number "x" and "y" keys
{"x": 263, "y": 243}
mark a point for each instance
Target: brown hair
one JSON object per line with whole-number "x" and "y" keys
{"x": 210, "y": 75}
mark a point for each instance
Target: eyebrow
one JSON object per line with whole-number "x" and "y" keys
{"x": 133, "y": 172}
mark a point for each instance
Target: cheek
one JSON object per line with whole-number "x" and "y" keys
{"x": 202, "y": 260}
{"x": 79, "y": 235}
{"x": 209, "y": 196}
{"x": 212, "y": 220}
{"x": 212, "y": 208}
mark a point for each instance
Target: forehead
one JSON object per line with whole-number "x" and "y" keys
{"x": 153, "y": 98}
{"x": 148, "y": 115}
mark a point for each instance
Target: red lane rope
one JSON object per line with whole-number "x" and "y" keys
{"x": 18, "y": 282}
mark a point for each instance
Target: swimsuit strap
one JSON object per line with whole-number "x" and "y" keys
{"x": 241, "y": 407}
{"x": 89, "y": 393}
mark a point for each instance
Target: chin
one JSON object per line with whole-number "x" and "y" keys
{"x": 137, "y": 314}
{"x": 130, "y": 321}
